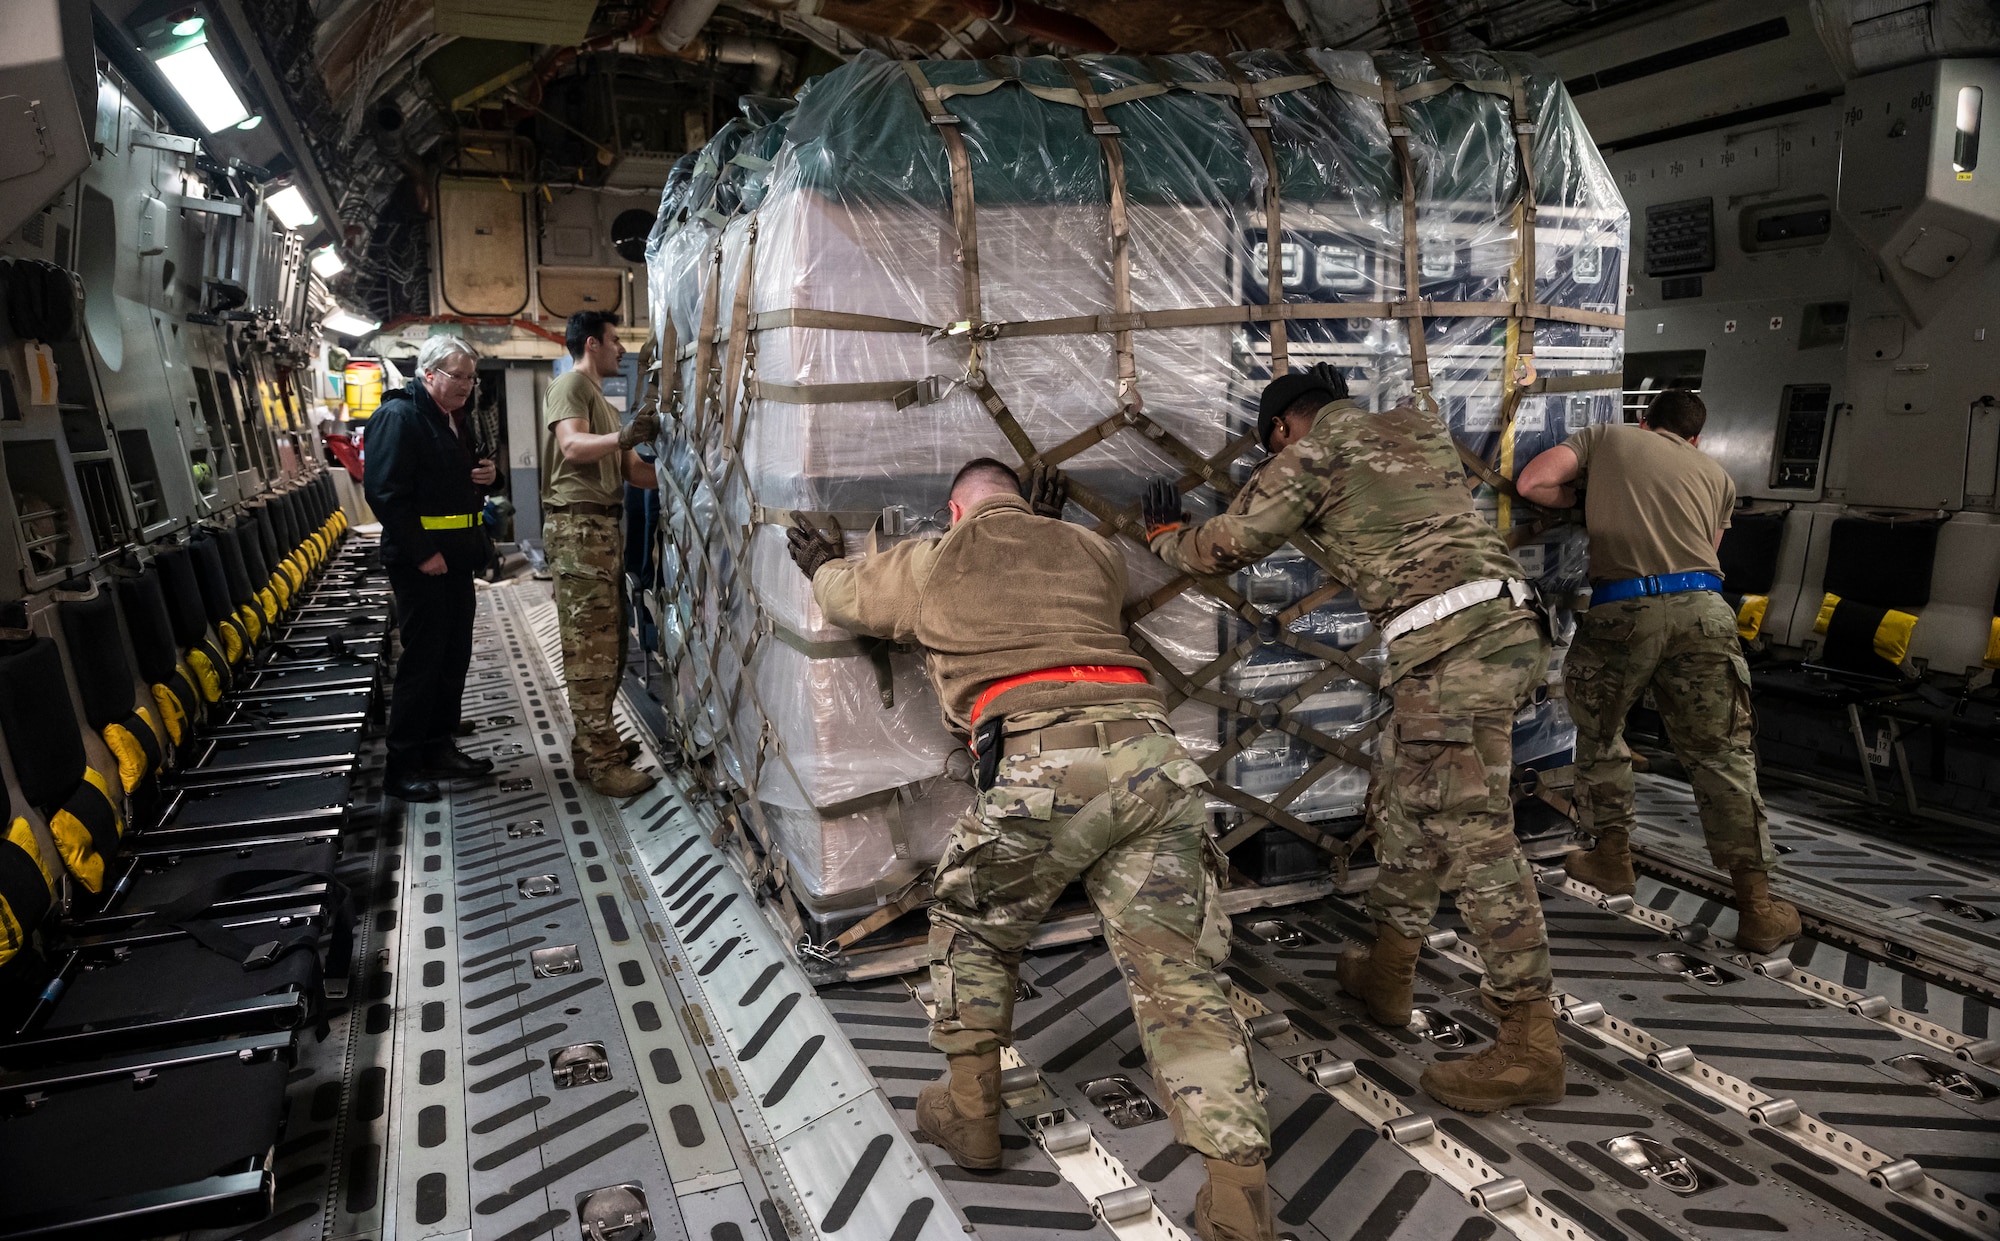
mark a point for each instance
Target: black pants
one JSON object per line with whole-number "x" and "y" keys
{"x": 435, "y": 617}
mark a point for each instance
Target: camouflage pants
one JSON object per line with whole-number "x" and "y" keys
{"x": 1444, "y": 820}
{"x": 1684, "y": 648}
{"x": 586, "y": 557}
{"x": 1129, "y": 820}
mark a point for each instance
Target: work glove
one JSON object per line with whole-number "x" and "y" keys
{"x": 643, "y": 429}
{"x": 1047, "y": 490}
{"x": 810, "y": 547}
{"x": 1162, "y": 509}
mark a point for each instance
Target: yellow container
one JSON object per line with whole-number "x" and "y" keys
{"x": 363, "y": 381}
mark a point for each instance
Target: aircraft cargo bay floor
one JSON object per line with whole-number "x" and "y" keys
{"x": 561, "y": 996}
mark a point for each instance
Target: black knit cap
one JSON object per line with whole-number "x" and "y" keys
{"x": 1287, "y": 389}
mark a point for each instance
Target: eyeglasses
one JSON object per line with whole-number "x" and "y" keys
{"x": 468, "y": 377}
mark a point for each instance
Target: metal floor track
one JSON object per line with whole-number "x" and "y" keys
{"x": 562, "y": 995}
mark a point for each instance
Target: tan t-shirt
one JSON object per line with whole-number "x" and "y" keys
{"x": 1652, "y": 501}
{"x": 565, "y": 482}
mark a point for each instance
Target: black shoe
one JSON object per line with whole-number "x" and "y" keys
{"x": 411, "y": 788}
{"x": 448, "y": 762}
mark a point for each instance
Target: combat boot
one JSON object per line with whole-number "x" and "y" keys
{"x": 1382, "y": 975}
{"x": 1524, "y": 1065}
{"x": 1608, "y": 866}
{"x": 962, "y": 1113}
{"x": 621, "y": 781}
{"x": 1235, "y": 1204}
{"x": 1762, "y": 921}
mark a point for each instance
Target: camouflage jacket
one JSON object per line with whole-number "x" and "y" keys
{"x": 1385, "y": 497}
{"x": 1003, "y": 593}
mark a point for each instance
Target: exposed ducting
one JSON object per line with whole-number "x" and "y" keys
{"x": 1045, "y": 23}
{"x": 680, "y": 23}
{"x": 772, "y": 61}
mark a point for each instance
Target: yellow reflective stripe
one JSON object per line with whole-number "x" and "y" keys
{"x": 457, "y": 521}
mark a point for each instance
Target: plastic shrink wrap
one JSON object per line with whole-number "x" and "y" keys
{"x": 909, "y": 269}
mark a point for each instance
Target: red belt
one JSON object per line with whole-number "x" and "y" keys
{"x": 1103, "y": 674}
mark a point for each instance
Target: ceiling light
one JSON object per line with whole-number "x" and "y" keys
{"x": 291, "y": 207}
{"x": 343, "y": 322}
{"x": 187, "y": 28}
{"x": 328, "y": 263}
{"x": 203, "y": 87}
{"x": 252, "y": 123}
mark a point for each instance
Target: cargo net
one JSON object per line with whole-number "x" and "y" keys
{"x": 1097, "y": 264}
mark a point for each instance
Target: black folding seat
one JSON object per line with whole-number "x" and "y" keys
{"x": 1877, "y": 580}
{"x": 200, "y": 593}
{"x": 1748, "y": 555}
{"x": 189, "y": 971}
{"x": 343, "y": 632}
{"x": 227, "y": 753}
{"x": 145, "y": 1144}
{"x": 149, "y": 874}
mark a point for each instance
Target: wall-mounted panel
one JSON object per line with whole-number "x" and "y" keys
{"x": 482, "y": 247}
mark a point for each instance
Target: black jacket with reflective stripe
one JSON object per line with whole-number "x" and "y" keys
{"x": 416, "y": 467}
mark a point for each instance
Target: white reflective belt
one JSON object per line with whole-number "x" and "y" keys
{"x": 1457, "y": 599}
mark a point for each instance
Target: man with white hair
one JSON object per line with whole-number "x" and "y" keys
{"x": 426, "y": 489}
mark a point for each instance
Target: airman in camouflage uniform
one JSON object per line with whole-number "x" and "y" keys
{"x": 588, "y": 458}
{"x": 1384, "y": 497}
{"x": 1019, "y": 615}
{"x": 1655, "y": 508}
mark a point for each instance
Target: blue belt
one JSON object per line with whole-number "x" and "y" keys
{"x": 1659, "y": 584}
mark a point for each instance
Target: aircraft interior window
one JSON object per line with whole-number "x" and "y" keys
{"x": 1648, "y": 373}
{"x": 1965, "y": 141}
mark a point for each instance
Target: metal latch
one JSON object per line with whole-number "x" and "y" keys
{"x": 1944, "y": 1078}
{"x": 1693, "y": 970}
{"x": 1440, "y": 1029}
{"x": 539, "y": 885}
{"x": 614, "y": 1213}
{"x": 525, "y": 827}
{"x": 1279, "y": 933}
{"x": 1123, "y": 1104}
{"x": 1656, "y": 1163}
{"x": 1025, "y": 990}
{"x": 555, "y": 962}
{"x": 501, "y": 721}
{"x": 1958, "y": 908}
{"x": 579, "y": 1064}
{"x": 516, "y": 784}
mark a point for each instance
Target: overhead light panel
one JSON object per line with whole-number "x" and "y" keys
{"x": 187, "y": 27}
{"x": 291, "y": 208}
{"x": 193, "y": 71}
{"x": 344, "y": 322}
{"x": 252, "y": 123}
{"x": 328, "y": 263}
